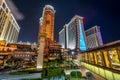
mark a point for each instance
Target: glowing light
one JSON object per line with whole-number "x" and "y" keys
{"x": 82, "y": 41}
{"x": 72, "y": 52}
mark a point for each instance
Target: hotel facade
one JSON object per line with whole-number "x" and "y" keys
{"x": 9, "y": 29}
{"x": 93, "y": 37}
{"x": 62, "y": 37}
{"x": 72, "y": 35}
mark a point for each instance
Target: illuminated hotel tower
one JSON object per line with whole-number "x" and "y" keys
{"x": 46, "y": 33}
{"x": 72, "y": 36}
{"x": 93, "y": 37}
{"x": 9, "y": 29}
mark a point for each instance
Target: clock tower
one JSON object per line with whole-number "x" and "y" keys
{"x": 46, "y": 34}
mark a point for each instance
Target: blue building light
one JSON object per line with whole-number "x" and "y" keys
{"x": 82, "y": 40}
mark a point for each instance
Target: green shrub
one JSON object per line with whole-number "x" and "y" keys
{"x": 52, "y": 72}
{"x": 67, "y": 76}
{"x": 76, "y": 74}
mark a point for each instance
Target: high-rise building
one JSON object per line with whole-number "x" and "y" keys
{"x": 62, "y": 37}
{"x": 93, "y": 37}
{"x": 74, "y": 34}
{"x": 9, "y": 29}
{"x": 46, "y": 34}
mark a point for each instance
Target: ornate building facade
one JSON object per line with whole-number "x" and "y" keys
{"x": 47, "y": 22}
{"x": 72, "y": 36}
{"x": 46, "y": 34}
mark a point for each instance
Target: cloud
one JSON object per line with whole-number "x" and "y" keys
{"x": 17, "y": 14}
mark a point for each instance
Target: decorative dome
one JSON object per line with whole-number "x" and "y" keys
{"x": 49, "y": 6}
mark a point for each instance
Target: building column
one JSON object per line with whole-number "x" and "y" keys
{"x": 105, "y": 54}
{"x": 109, "y": 60}
{"x": 118, "y": 51}
{"x": 9, "y": 32}
{"x": 103, "y": 58}
{"x": 95, "y": 57}
{"x": 41, "y": 51}
{"x": 12, "y": 31}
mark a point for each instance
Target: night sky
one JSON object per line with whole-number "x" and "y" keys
{"x": 104, "y": 13}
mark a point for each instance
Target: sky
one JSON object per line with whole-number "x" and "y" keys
{"x": 104, "y": 13}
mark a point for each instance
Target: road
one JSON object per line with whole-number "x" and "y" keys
{"x": 5, "y": 76}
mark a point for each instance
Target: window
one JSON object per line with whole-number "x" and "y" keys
{"x": 47, "y": 22}
{"x": 113, "y": 55}
{"x": 99, "y": 58}
{"x": 3, "y": 5}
